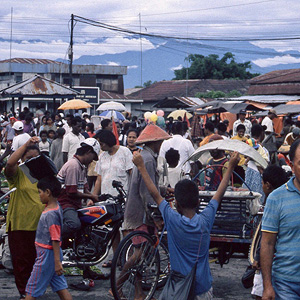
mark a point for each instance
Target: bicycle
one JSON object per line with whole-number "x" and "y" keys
{"x": 141, "y": 263}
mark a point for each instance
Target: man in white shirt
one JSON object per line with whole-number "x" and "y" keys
{"x": 268, "y": 121}
{"x": 20, "y": 137}
{"x": 67, "y": 126}
{"x": 72, "y": 140}
{"x": 178, "y": 142}
{"x": 242, "y": 120}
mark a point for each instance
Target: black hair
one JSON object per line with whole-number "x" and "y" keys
{"x": 209, "y": 126}
{"x": 76, "y": 120}
{"x": 91, "y": 127}
{"x": 241, "y": 127}
{"x": 177, "y": 128}
{"x": 179, "y": 118}
{"x": 256, "y": 130}
{"x": 60, "y": 132}
{"x": 83, "y": 150}
{"x": 43, "y": 132}
{"x": 278, "y": 180}
{"x": 105, "y": 123}
{"x": 187, "y": 194}
{"x": 297, "y": 124}
{"x": 31, "y": 147}
{"x": 28, "y": 118}
{"x": 293, "y": 149}
{"x": 132, "y": 130}
{"x": 70, "y": 116}
{"x": 50, "y": 183}
{"x": 106, "y": 137}
{"x": 222, "y": 127}
{"x": 172, "y": 156}
{"x": 49, "y": 118}
{"x": 51, "y": 130}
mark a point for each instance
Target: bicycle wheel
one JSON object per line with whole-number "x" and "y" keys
{"x": 135, "y": 267}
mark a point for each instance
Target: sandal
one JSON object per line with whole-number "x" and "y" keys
{"x": 107, "y": 264}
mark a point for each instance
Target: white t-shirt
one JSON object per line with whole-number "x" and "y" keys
{"x": 174, "y": 175}
{"x": 269, "y": 123}
{"x": 184, "y": 146}
{"x": 19, "y": 140}
{"x": 67, "y": 128}
{"x": 44, "y": 147}
{"x": 71, "y": 142}
{"x": 114, "y": 167}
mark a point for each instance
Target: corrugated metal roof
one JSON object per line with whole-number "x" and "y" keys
{"x": 278, "y": 76}
{"x": 31, "y": 61}
{"x": 188, "y": 88}
{"x": 190, "y": 101}
{"x": 109, "y": 96}
{"x": 267, "y": 98}
{"x": 37, "y": 85}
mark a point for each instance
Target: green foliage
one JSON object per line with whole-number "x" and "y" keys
{"x": 218, "y": 94}
{"x": 211, "y": 67}
{"x": 148, "y": 83}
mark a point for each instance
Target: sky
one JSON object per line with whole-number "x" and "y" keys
{"x": 41, "y": 29}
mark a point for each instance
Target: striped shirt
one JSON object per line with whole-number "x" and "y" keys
{"x": 282, "y": 216}
{"x": 49, "y": 227}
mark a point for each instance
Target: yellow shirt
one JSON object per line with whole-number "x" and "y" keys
{"x": 25, "y": 206}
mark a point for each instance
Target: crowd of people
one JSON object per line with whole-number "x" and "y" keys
{"x": 151, "y": 162}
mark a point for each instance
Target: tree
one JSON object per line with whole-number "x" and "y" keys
{"x": 218, "y": 94}
{"x": 211, "y": 67}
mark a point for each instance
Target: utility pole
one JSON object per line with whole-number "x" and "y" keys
{"x": 141, "y": 44}
{"x": 71, "y": 52}
{"x": 10, "y": 44}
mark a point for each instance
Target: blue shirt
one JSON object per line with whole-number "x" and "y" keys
{"x": 282, "y": 216}
{"x": 184, "y": 237}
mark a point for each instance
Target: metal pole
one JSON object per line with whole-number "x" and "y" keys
{"x": 71, "y": 52}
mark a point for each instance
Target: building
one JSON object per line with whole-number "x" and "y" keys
{"x": 107, "y": 78}
{"x": 180, "y": 93}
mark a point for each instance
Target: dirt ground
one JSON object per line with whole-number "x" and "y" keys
{"x": 227, "y": 284}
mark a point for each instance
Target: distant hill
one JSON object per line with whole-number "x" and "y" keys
{"x": 158, "y": 63}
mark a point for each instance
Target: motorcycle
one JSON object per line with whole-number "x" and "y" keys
{"x": 99, "y": 225}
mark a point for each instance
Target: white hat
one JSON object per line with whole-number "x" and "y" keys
{"x": 94, "y": 144}
{"x": 18, "y": 125}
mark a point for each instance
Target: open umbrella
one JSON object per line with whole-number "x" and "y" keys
{"x": 112, "y": 113}
{"x": 74, "y": 104}
{"x": 179, "y": 113}
{"x": 112, "y": 105}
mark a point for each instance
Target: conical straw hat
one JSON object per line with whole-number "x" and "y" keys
{"x": 152, "y": 133}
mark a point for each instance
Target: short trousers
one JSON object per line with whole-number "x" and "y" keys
{"x": 43, "y": 274}
{"x": 205, "y": 296}
{"x": 285, "y": 289}
{"x": 258, "y": 287}
{"x": 138, "y": 240}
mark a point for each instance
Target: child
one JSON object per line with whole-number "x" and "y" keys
{"x": 186, "y": 227}
{"x": 175, "y": 173}
{"x": 44, "y": 145}
{"x": 47, "y": 267}
{"x": 270, "y": 183}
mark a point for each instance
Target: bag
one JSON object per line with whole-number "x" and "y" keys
{"x": 179, "y": 287}
{"x": 248, "y": 277}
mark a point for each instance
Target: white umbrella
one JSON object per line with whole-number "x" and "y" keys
{"x": 111, "y": 105}
{"x": 230, "y": 145}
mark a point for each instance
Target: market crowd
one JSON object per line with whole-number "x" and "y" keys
{"x": 155, "y": 149}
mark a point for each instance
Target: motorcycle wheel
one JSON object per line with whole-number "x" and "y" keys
{"x": 135, "y": 267}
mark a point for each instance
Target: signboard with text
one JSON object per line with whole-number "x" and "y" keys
{"x": 88, "y": 94}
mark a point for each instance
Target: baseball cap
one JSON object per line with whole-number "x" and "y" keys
{"x": 273, "y": 111}
{"x": 296, "y": 131}
{"x": 18, "y": 125}
{"x": 94, "y": 144}
{"x": 243, "y": 111}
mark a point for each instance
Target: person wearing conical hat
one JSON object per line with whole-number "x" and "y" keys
{"x": 137, "y": 216}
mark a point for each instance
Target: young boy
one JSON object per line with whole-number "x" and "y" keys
{"x": 270, "y": 183}
{"x": 47, "y": 267}
{"x": 186, "y": 228}
{"x": 44, "y": 144}
{"x": 175, "y": 173}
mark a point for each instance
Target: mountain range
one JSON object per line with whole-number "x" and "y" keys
{"x": 159, "y": 63}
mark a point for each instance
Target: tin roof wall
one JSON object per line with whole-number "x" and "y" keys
{"x": 36, "y": 86}
{"x": 188, "y": 88}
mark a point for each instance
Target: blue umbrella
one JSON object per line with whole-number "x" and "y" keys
{"x": 112, "y": 113}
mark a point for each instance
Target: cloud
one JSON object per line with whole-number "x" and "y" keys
{"x": 273, "y": 61}
{"x": 112, "y": 63}
{"x": 176, "y": 68}
{"x": 132, "y": 67}
{"x": 280, "y": 46}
